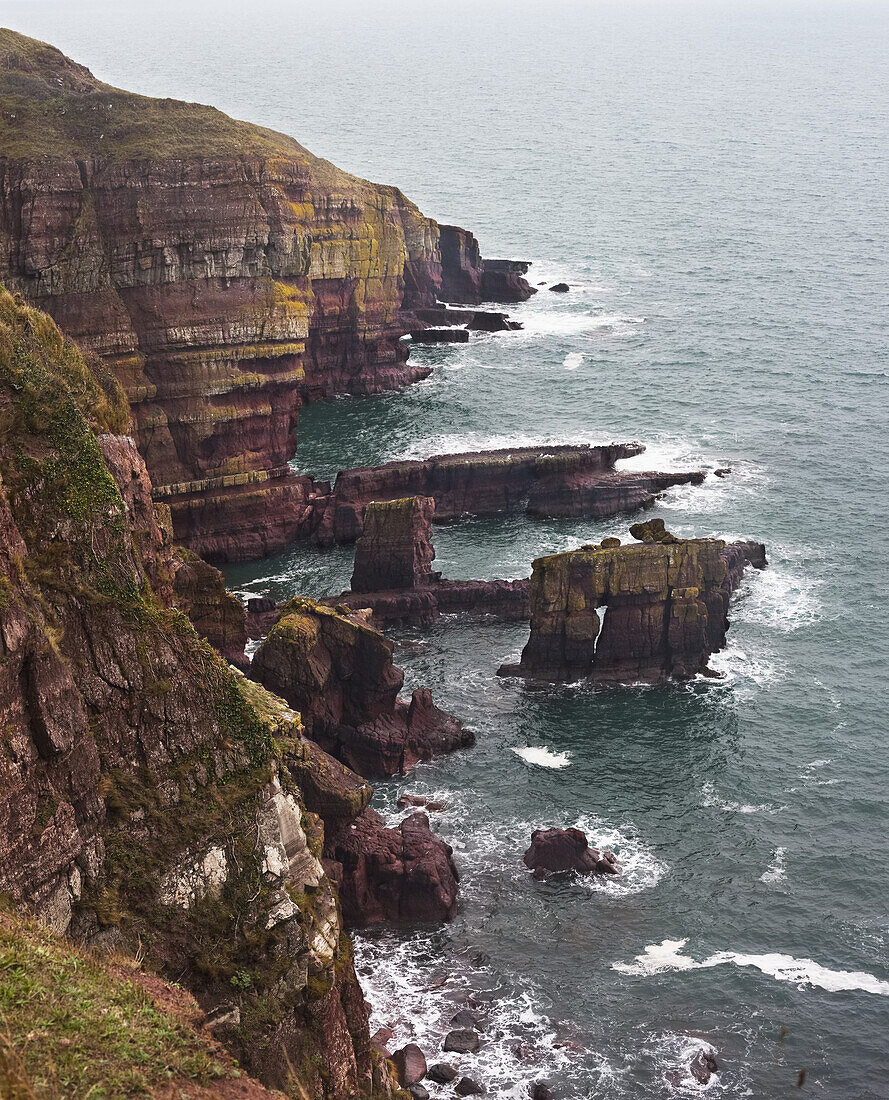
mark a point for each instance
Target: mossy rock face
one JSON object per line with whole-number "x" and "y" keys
{"x": 129, "y": 748}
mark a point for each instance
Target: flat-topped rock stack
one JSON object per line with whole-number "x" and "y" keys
{"x": 666, "y": 602}
{"x": 393, "y": 579}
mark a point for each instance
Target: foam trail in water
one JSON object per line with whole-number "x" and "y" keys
{"x": 543, "y": 757}
{"x": 776, "y": 871}
{"x": 709, "y": 798}
{"x": 572, "y": 360}
{"x": 668, "y": 955}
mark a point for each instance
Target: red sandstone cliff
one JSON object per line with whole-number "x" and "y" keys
{"x": 146, "y": 799}
{"x": 220, "y": 270}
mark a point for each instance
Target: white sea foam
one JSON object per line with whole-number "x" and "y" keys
{"x": 738, "y": 665}
{"x": 573, "y": 323}
{"x": 709, "y": 797}
{"x": 416, "y": 982}
{"x": 675, "y": 1053}
{"x": 572, "y": 360}
{"x": 668, "y": 955}
{"x": 777, "y": 870}
{"x": 543, "y": 758}
{"x": 780, "y": 597}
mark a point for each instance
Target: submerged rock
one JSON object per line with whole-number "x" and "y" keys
{"x": 442, "y": 1073}
{"x": 467, "y": 1087}
{"x": 559, "y": 850}
{"x": 703, "y": 1066}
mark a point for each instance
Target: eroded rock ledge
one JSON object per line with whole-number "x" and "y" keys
{"x": 666, "y": 602}
{"x": 548, "y": 481}
{"x": 337, "y": 670}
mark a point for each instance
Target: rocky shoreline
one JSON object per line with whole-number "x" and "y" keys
{"x": 166, "y": 798}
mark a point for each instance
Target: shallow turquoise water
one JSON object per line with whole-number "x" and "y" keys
{"x": 712, "y": 181}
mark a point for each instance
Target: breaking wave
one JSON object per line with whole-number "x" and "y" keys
{"x": 668, "y": 956}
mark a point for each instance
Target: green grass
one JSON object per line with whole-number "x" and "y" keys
{"x": 52, "y": 107}
{"x": 69, "y": 1027}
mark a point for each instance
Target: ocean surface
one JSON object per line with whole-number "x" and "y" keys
{"x": 711, "y": 179}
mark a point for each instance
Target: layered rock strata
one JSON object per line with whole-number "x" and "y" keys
{"x": 220, "y": 270}
{"x": 393, "y": 579}
{"x": 337, "y": 670}
{"x": 395, "y": 549}
{"x": 545, "y": 481}
{"x": 146, "y": 800}
{"x": 666, "y": 602}
{"x": 467, "y": 279}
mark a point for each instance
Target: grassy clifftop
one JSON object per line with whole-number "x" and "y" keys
{"x": 50, "y": 106}
{"x": 75, "y": 1025}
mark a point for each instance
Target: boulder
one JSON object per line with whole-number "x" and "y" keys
{"x": 418, "y": 1092}
{"x": 561, "y": 850}
{"x": 410, "y": 1064}
{"x": 462, "y": 1041}
{"x": 442, "y": 1073}
{"x": 467, "y": 1087}
{"x": 560, "y": 288}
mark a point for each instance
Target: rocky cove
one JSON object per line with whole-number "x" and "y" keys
{"x": 178, "y": 285}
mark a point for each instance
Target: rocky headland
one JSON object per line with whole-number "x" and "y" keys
{"x": 166, "y": 804}
{"x": 222, "y": 273}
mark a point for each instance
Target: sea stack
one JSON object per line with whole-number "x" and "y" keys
{"x": 666, "y": 605}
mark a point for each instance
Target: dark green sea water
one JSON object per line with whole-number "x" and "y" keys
{"x": 712, "y": 181}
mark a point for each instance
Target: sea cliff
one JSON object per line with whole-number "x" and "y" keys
{"x": 222, "y": 272}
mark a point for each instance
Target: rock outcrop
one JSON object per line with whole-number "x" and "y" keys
{"x": 395, "y": 548}
{"x": 221, "y": 272}
{"x": 666, "y": 603}
{"x": 467, "y": 279}
{"x": 400, "y": 874}
{"x": 392, "y": 576}
{"x": 337, "y": 670}
{"x": 145, "y": 796}
{"x": 553, "y": 482}
{"x": 554, "y": 851}
{"x": 215, "y": 613}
